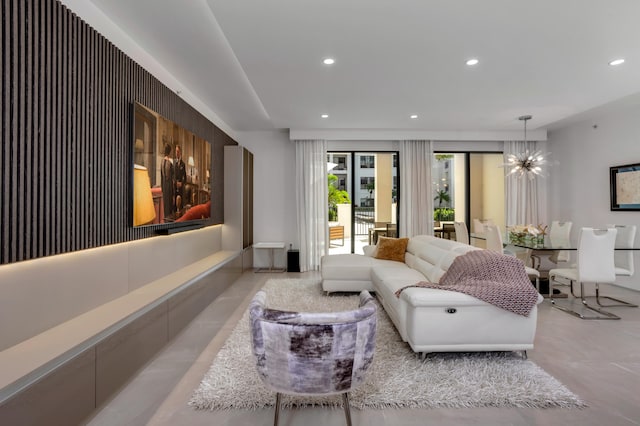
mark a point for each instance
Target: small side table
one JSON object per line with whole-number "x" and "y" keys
{"x": 270, "y": 247}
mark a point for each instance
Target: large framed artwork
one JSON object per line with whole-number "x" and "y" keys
{"x": 625, "y": 187}
{"x": 171, "y": 172}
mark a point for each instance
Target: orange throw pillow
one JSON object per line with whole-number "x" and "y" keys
{"x": 392, "y": 248}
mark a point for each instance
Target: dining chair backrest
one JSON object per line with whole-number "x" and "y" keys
{"x": 559, "y": 236}
{"x": 447, "y": 229}
{"x": 478, "y": 226}
{"x": 625, "y": 238}
{"x": 462, "y": 234}
{"x": 595, "y": 255}
{"x": 493, "y": 238}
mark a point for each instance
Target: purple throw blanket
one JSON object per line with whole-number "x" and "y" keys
{"x": 491, "y": 277}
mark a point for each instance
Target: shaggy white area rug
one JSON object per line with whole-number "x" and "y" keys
{"x": 398, "y": 377}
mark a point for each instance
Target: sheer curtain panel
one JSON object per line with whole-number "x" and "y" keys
{"x": 311, "y": 199}
{"x": 416, "y": 200}
{"x": 525, "y": 200}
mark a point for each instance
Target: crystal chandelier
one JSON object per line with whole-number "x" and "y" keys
{"x": 525, "y": 163}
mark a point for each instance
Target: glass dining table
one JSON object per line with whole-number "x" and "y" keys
{"x": 540, "y": 243}
{"x": 544, "y": 244}
{"x": 541, "y": 246}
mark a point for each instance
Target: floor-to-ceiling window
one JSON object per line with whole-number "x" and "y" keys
{"x": 468, "y": 186}
{"x": 363, "y": 198}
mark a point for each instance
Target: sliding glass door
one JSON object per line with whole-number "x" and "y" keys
{"x": 467, "y": 186}
{"x": 363, "y": 198}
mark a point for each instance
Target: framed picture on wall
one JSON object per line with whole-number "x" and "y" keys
{"x": 625, "y": 187}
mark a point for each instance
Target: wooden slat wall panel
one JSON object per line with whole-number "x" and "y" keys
{"x": 67, "y": 96}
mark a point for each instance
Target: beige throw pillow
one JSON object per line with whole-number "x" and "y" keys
{"x": 392, "y": 248}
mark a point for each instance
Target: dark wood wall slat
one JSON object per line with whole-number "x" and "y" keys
{"x": 38, "y": 132}
{"x": 67, "y": 96}
{"x": 54, "y": 138}
{"x": 27, "y": 158}
{"x": 33, "y": 127}
{"x": 5, "y": 53}
{"x": 45, "y": 120}
{"x": 13, "y": 153}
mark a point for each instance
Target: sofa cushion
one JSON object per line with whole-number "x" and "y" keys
{"x": 353, "y": 266}
{"x": 370, "y": 250}
{"x": 392, "y": 248}
{"x": 389, "y": 280}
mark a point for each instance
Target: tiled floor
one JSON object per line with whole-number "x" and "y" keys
{"x": 598, "y": 360}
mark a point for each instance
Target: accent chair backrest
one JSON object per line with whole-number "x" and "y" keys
{"x": 313, "y": 353}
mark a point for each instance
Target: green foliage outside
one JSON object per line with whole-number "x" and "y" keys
{"x": 444, "y": 214}
{"x": 441, "y": 197}
{"x": 371, "y": 187}
{"x": 336, "y": 196}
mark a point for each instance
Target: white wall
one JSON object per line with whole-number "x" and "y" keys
{"x": 578, "y": 185}
{"x": 493, "y": 189}
{"x": 274, "y": 195}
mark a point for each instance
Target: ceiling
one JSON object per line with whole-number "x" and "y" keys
{"x": 258, "y": 64}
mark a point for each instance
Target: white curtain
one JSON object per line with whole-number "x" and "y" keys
{"x": 525, "y": 199}
{"x": 416, "y": 198}
{"x": 311, "y": 200}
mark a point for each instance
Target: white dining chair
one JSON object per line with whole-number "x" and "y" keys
{"x": 478, "y": 226}
{"x": 462, "y": 233}
{"x": 559, "y": 236}
{"x": 494, "y": 243}
{"x": 623, "y": 261}
{"x": 595, "y": 265}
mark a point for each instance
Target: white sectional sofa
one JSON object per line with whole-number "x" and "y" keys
{"x": 430, "y": 320}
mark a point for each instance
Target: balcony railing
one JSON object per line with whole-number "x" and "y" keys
{"x": 364, "y": 220}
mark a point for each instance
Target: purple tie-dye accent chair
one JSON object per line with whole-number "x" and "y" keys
{"x": 313, "y": 353}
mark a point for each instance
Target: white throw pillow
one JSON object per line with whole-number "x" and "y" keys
{"x": 370, "y": 250}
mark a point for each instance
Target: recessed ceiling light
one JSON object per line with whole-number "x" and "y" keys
{"x": 616, "y": 62}
{"x": 472, "y": 61}
{"x": 413, "y": 117}
{"x": 325, "y": 116}
{"x": 328, "y": 61}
